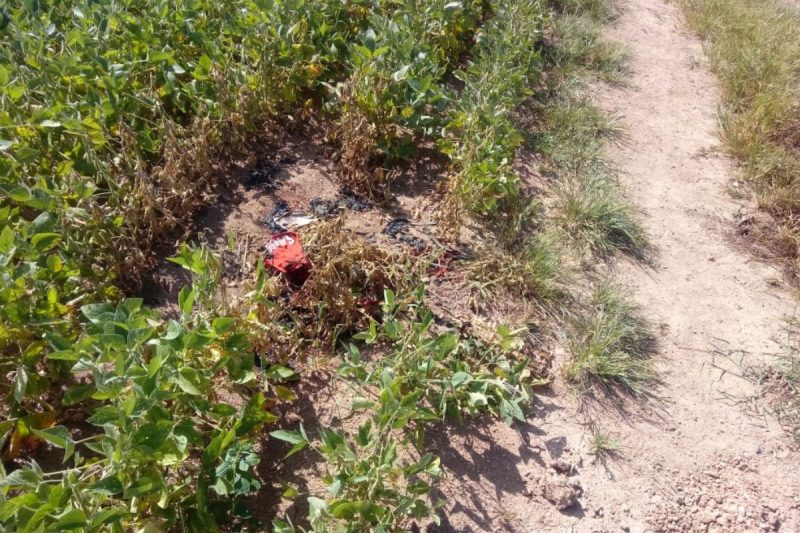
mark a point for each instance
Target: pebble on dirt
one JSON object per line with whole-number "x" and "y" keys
{"x": 560, "y": 492}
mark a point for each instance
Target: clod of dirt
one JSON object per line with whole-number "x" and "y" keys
{"x": 563, "y": 467}
{"x": 263, "y": 175}
{"x": 559, "y": 491}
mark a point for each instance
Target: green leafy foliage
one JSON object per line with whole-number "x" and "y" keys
{"x": 482, "y": 138}
{"x": 374, "y": 481}
{"x": 112, "y": 115}
{"x": 150, "y": 385}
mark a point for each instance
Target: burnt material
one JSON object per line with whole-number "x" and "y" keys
{"x": 330, "y": 208}
{"x": 263, "y": 176}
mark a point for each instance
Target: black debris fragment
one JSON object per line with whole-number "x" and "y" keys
{"x": 263, "y": 175}
{"x": 322, "y": 208}
{"x": 281, "y": 210}
{"x": 397, "y": 228}
{"x": 352, "y": 201}
{"x": 330, "y": 208}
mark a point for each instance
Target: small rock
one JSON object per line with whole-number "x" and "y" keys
{"x": 730, "y": 508}
{"x": 562, "y": 467}
{"x": 559, "y": 492}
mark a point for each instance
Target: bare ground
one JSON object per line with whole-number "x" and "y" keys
{"x": 703, "y": 454}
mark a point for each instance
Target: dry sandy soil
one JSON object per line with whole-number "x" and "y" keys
{"x": 703, "y": 454}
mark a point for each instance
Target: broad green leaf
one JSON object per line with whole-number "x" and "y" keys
{"x": 77, "y": 393}
{"x": 284, "y": 393}
{"x": 6, "y": 240}
{"x": 58, "y": 436}
{"x": 279, "y": 372}
{"x": 173, "y": 330}
{"x": 460, "y": 378}
{"x": 369, "y": 39}
{"x": 316, "y": 509}
{"x": 254, "y": 415}
{"x": 20, "y": 384}
{"x": 478, "y": 399}
{"x": 401, "y": 74}
{"x": 108, "y": 516}
{"x": 24, "y": 477}
{"x": 186, "y": 300}
{"x": 70, "y": 520}
{"x": 63, "y": 355}
{"x": 12, "y": 505}
{"x": 106, "y": 414}
{"x": 218, "y": 445}
{"x": 42, "y": 242}
{"x": 153, "y": 435}
{"x": 190, "y": 381}
{"x": 223, "y": 324}
{"x": 292, "y": 437}
{"x": 108, "y": 486}
{"x": 148, "y": 482}
{"x": 97, "y": 313}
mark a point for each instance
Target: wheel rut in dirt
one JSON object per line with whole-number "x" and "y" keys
{"x": 703, "y": 455}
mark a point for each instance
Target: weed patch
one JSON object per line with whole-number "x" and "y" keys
{"x": 590, "y": 209}
{"x": 610, "y": 345}
{"x": 754, "y": 48}
{"x": 603, "y": 444}
{"x": 579, "y": 47}
{"x": 588, "y": 204}
{"x": 533, "y": 272}
{"x": 423, "y": 378}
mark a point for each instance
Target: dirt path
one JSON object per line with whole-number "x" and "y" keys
{"x": 705, "y": 457}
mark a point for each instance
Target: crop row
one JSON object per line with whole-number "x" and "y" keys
{"x": 112, "y": 116}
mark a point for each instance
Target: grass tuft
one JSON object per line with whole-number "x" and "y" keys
{"x": 580, "y": 47}
{"x": 533, "y": 271}
{"x": 611, "y": 345}
{"x": 598, "y": 10}
{"x": 588, "y": 202}
{"x": 575, "y": 132}
{"x": 592, "y": 210}
{"x": 603, "y": 445}
{"x": 791, "y": 410}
